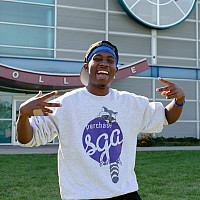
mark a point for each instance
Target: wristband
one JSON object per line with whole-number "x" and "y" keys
{"x": 177, "y": 104}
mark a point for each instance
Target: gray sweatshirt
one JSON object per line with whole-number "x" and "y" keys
{"x": 97, "y": 140}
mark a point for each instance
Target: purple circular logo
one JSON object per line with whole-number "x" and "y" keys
{"x": 102, "y": 140}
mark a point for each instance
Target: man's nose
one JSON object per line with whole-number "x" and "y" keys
{"x": 104, "y": 62}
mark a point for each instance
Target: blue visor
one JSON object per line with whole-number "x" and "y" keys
{"x": 102, "y": 48}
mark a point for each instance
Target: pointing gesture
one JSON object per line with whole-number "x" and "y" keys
{"x": 36, "y": 106}
{"x": 171, "y": 90}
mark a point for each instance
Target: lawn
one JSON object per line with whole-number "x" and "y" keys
{"x": 162, "y": 175}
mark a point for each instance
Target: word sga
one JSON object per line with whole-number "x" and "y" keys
{"x": 103, "y": 145}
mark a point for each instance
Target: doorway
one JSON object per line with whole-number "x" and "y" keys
{"x": 17, "y": 101}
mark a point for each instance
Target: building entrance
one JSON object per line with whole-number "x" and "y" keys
{"x": 17, "y": 101}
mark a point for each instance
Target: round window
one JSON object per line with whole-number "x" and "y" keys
{"x": 158, "y": 14}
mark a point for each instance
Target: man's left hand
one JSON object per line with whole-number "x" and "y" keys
{"x": 171, "y": 90}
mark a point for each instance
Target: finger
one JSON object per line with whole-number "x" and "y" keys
{"x": 164, "y": 93}
{"x": 171, "y": 96}
{"x": 168, "y": 94}
{"x": 168, "y": 83}
{"x": 45, "y": 114}
{"x": 47, "y": 110}
{"x": 46, "y": 104}
{"x": 40, "y": 112}
{"x": 49, "y": 95}
{"x": 39, "y": 94}
{"x": 167, "y": 88}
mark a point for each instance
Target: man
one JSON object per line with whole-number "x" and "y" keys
{"x": 97, "y": 128}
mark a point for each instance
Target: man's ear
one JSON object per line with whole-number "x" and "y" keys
{"x": 116, "y": 70}
{"x": 86, "y": 67}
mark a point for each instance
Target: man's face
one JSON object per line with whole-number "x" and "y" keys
{"x": 102, "y": 69}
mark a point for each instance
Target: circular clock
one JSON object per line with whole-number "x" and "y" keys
{"x": 158, "y": 14}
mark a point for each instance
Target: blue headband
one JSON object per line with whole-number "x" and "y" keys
{"x": 102, "y": 48}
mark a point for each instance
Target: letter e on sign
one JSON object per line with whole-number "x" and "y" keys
{"x": 133, "y": 70}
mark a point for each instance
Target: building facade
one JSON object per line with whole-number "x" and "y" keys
{"x": 52, "y": 36}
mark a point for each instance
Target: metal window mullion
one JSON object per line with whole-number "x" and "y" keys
{"x": 139, "y": 55}
{"x": 154, "y": 47}
{"x": 190, "y": 20}
{"x": 129, "y": 34}
{"x": 177, "y": 38}
{"x": 27, "y": 25}
{"x": 158, "y": 13}
{"x": 177, "y": 58}
{"x": 13, "y": 125}
{"x": 32, "y": 3}
{"x": 169, "y": 100}
{"x": 154, "y": 95}
{"x": 186, "y": 121}
{"x": 197, "y": 64}
{"x": 81, "y": 8}
{"x": 106, "y": 20}
{"x": 55, "y": 30}
{"x": 80, "y": 29}
{"x": 197, "y": 35}
{"x": 17, "y": 56}
{"x": 197, "y": 93}
{"x": 25, "y": 47}
{"x": 72, "y": 50}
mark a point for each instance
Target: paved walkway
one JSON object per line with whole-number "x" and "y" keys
{"x": 49, "y": 149}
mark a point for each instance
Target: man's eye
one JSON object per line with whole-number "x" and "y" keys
{"x": 111, "y": 61}
{"x": 97, "y": 59}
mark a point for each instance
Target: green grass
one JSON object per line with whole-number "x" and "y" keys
{"x": 29, "y": 177}
{"x": 162, "y": 175}
{"x": 169, "y": 175}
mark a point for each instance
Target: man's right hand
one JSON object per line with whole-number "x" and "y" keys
{"x": 36, "y": 106}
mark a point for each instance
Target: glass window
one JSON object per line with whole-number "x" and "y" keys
{"x": 26, "y": 13}
{"x": 177, "y": 73}
{"x": 180, "y": 130}
{"x": 26, "y": 52}
{"x": 40, "y": 1}
{"x": 5, "y": 131}
{"x": 22, "y": 35}
{"x": 96, "y": 4}
{"x": 81, "y": 19}
{"x": 5, "y": 107}
{"x": 26, "y": 36}
{"x": 176, "y": 48}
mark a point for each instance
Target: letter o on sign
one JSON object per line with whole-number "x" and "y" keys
{"x": 15, "y": 74}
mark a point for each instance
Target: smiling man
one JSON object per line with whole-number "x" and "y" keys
{"x": 97, "y": 128}
{"x": 100, "y": 67}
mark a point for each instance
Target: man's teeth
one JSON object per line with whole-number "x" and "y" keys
{"x": 102, "y": 72}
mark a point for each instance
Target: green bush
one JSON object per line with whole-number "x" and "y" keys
{"x": 147, "y": 140}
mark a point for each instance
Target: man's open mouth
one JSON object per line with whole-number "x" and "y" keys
{"x": 102, "y": 72}
{"x": 102, "y": 75}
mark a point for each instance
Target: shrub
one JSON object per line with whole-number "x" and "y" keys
{"x": 147, "y": 140}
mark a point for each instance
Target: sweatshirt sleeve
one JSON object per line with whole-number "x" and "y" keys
{"x": 44, "y": 131}
{"x": 154, "y": 118}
